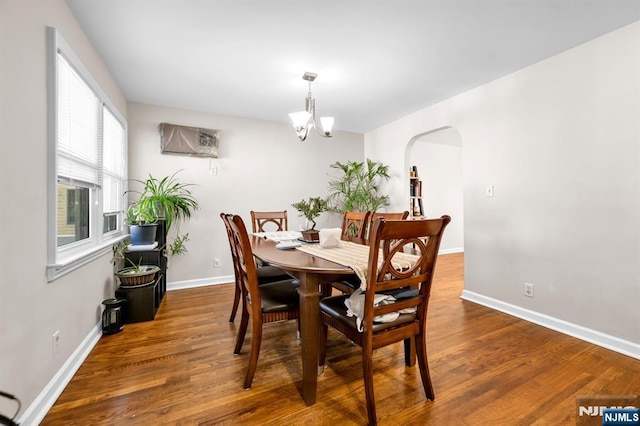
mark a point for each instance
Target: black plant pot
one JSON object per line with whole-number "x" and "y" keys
{"x": 143, "y": 234}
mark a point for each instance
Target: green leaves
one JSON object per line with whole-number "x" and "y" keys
{"x": 178, "y": 246}
{"x": 166, "y": 197}
{"x": 311, "y": 208}
{"x": 359, "y": 187}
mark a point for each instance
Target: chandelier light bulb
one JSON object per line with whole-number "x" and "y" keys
{"x": 327, "y": 125}
{"x": 302, "y": 121}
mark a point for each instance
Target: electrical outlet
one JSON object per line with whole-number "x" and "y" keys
{"x": 55, "y": 339}
{"x": 216, "y": 262}
{"x": 528, "y": 289}
{"x": 489, "y": 191}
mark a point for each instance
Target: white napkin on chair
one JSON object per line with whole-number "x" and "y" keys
{"x": 330, "y": 237}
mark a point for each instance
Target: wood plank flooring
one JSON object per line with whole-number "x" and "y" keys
{"x": 487, "y": 368}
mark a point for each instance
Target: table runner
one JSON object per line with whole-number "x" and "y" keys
{"x": 356, "y": 257}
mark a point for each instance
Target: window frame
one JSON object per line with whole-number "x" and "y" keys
{"x": 66, "y": 258}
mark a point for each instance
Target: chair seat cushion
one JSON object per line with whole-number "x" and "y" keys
{"x": 270, "y": 273}
{"x": 403, "y": 293}
{"x": 335, "y": 307}
{"x": 352, "y": 281}
{"x": 279, "y": 296}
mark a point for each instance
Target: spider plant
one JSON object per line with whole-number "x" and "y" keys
{"x": 168, "y": 197}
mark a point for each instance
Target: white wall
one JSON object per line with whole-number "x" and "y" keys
{"x": 31, "y": 309}
{"x": 560, "y": 142}
{"x": 262, "y": 166}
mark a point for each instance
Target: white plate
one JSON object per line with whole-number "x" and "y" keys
{"x": 286, "y": 245}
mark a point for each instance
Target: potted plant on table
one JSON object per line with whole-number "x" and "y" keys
{"x": 311, "y": 209}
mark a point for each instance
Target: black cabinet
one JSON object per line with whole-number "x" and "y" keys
{"x": 143, "y": 301}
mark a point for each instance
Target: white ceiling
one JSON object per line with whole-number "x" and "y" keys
{"x": 376, "y": 60}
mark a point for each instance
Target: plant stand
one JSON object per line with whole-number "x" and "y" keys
{"x": 144, "y": 301}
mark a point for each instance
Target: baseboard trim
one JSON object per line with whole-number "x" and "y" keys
{"x": 45, "y": 400}
{"x": 607, "y": 341}
{"x": 201, "y": 282}
{"x": 451, "y": 250}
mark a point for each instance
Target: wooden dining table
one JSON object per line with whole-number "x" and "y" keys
{"x": 312, "y": 272}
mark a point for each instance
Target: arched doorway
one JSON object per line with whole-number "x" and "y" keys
{"x": 437, "y": 154}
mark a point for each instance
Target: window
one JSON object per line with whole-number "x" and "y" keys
{"x": 87, "y": 164}
{"x": 77, "y": 214}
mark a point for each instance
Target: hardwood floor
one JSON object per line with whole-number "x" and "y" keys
{"x": 487, "y": 368}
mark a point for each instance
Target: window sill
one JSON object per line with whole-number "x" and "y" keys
{"x": 55, "y": 271}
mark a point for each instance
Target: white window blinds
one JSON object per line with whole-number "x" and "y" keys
{"x": 78, "y": 123}
{"x": 114, "y": 164}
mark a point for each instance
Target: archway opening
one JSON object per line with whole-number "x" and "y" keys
{"x": 437, "y": 155}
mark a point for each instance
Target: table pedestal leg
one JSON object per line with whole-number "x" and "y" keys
{"x": 309, "y": 326}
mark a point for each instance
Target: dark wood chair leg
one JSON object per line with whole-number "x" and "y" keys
{"x": 256, "y": 341}
{"x": 236, "y": 302}
{"x": 409, "y": 352}
{"x": 244, "y": 322}
{"x": 322, "y": 344}
{"x": 421, "y": 353}
{"x": 325, "y": 290}
{"x": 367, "y": 373}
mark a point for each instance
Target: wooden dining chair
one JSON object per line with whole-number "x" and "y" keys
{"x": 383, "y": 276}
{"x": 271, "y": 302}
{"x": 266, "y": 273}
{"x": 354, "y": 226}
{"x": 269, "y": 219}
{"x": 387, "y": 216}
{"x": 353, "y": 229}
{"x": 350, "y": 284}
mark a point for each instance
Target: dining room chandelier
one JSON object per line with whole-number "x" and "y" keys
{"x": 305, "y": 120}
